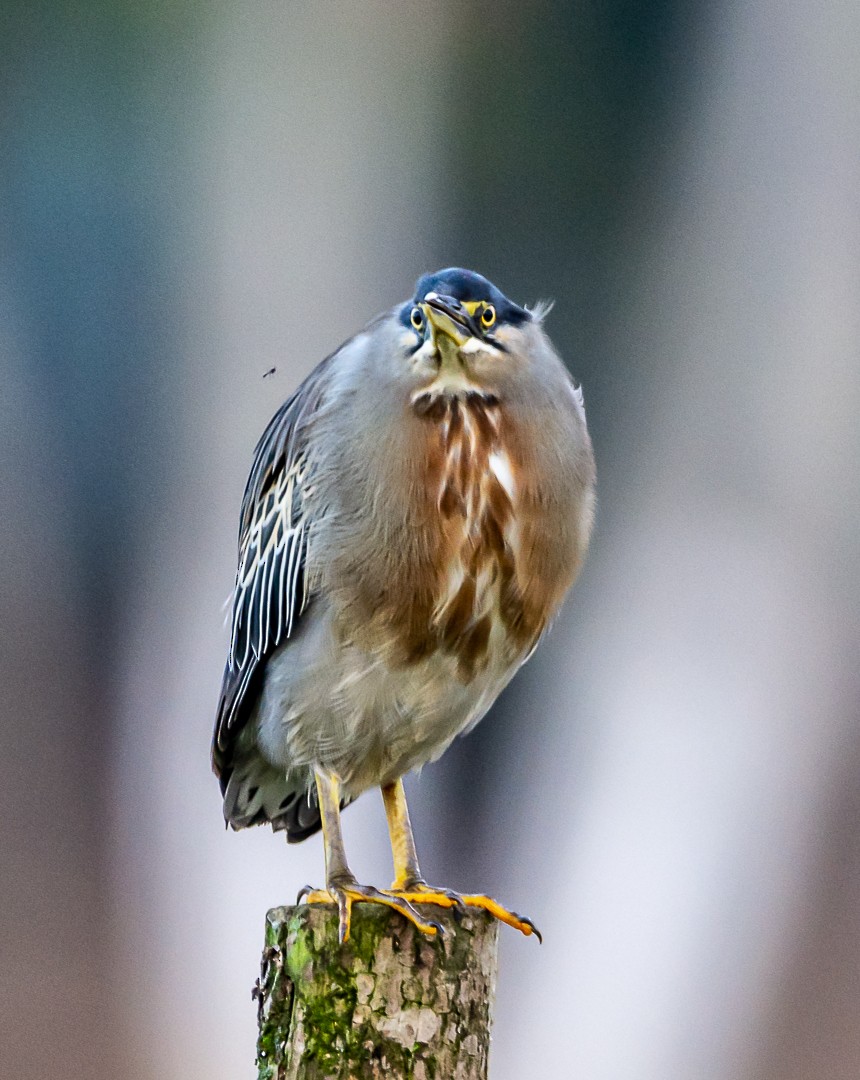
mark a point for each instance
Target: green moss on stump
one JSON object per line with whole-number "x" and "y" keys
{"x": 391, "y": 1002}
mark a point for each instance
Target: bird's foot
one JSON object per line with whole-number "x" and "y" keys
{"x": 419, "y": 892}
{"x": 346, "y": 891}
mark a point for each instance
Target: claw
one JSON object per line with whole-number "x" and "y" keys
{"x": 534, "y": 929}
{"x": 304, "y": 891}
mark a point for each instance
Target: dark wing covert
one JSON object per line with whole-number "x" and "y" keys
{"x": 271, "y": 582}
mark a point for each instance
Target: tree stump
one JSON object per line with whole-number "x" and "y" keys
{"x": 390, "y": 1003}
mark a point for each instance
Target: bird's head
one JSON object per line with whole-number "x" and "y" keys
{"x": 461, "y": 333}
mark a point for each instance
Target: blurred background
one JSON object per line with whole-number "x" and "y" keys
{"x": 192, "y": 194}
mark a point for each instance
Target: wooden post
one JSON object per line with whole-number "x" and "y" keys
{"x": 390, "y": 1003}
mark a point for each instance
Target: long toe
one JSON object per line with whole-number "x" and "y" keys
{"x": 345, "y": 894}
{"x": 421, "y": 893}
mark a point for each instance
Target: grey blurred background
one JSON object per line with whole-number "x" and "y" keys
{"x": 191, "y": 194}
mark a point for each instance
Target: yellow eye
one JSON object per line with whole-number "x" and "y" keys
{"x": 417, "y": 318}
{"x": 488, "y": 316}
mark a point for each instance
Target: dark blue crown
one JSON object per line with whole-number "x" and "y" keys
{"x": 465, "y": 286}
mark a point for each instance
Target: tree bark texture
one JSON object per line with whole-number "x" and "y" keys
{"x": 391, "y": 1002}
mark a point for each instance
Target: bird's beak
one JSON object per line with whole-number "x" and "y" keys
{"x": 448, "y": 318}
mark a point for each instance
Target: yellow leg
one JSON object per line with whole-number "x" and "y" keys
{"x": 341, "y": 886}
{"x": 408, "y": 884}
{"x": 406, "y": 869}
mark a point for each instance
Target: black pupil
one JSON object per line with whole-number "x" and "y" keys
{"x": 417, "y": 318}
{"x": 487, "y": 316}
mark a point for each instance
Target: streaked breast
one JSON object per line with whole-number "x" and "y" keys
{"x": 477, "y": 599}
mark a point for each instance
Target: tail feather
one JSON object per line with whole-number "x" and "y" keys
{"x": 256, "y": 793}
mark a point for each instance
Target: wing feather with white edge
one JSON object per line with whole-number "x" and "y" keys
{"x": 272, "y": 580}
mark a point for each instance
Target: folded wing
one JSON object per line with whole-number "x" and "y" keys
{"x": 272, "y": 579}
